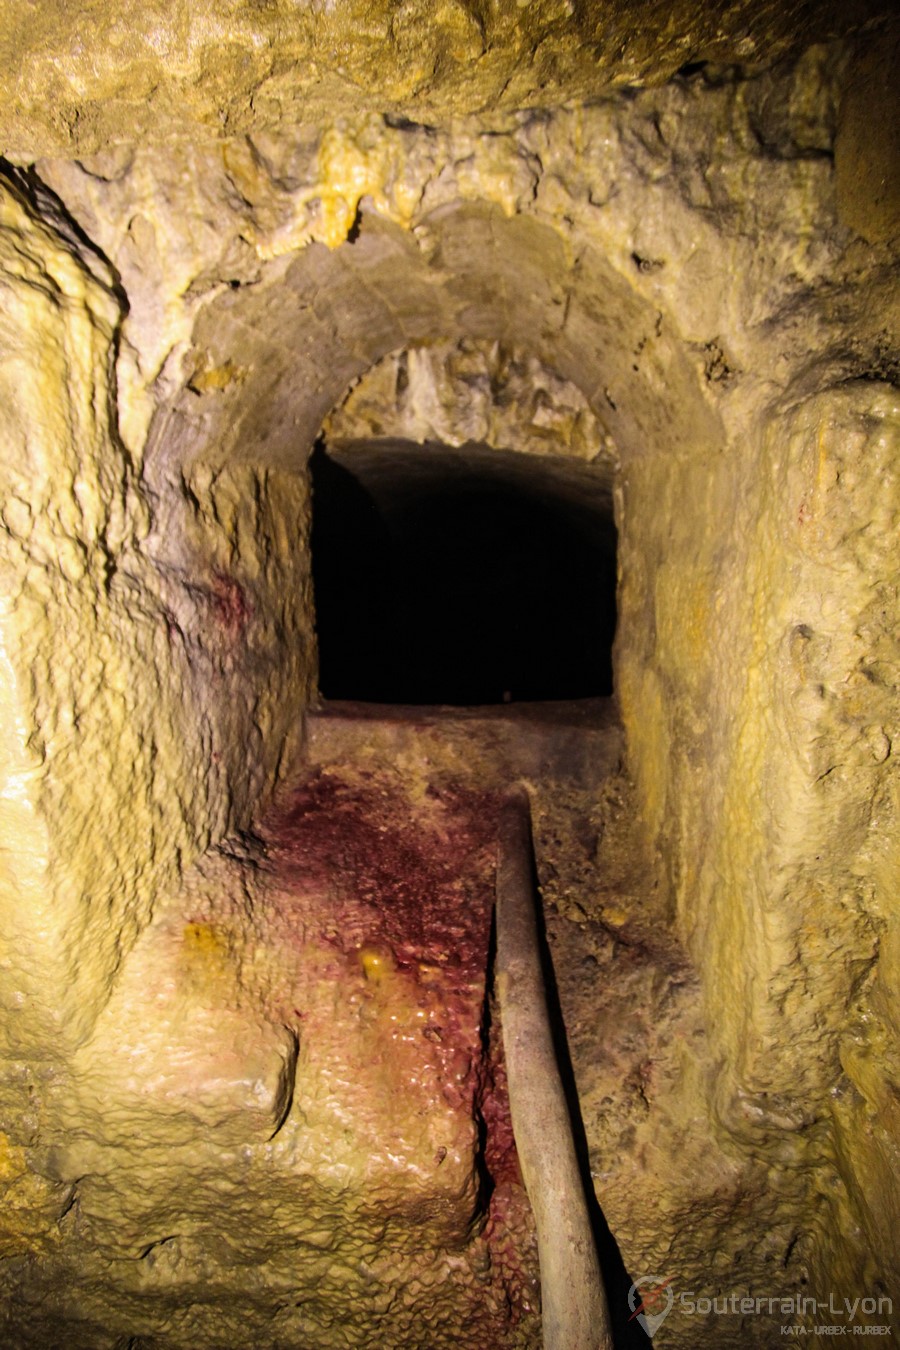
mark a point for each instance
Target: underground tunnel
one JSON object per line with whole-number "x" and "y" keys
{"x": 447, "y": 451}
{"x": 460, "y": 577}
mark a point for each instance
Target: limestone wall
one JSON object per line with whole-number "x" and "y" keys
{"x": 73, "y": 79}
{"x": 147, "y": 644}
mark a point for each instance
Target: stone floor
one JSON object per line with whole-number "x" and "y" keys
{"x": 290, "y": 1127}
{"x": 671, "y": 1198}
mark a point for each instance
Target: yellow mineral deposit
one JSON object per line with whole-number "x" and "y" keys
{"x": 526, "y": 374}
{"x": 377, "y": 964}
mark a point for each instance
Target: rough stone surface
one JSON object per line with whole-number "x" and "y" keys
{"x": 470, "y": 392}
{"x": 76, "y": 78}
{"x": 712, "y": 264}
{"x": 868, "y": 195}
{"x": 298, "y": 1043}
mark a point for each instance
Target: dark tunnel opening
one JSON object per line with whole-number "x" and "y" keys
{"x": 461, "y": 577}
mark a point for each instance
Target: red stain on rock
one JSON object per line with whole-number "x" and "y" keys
{"x": 415, "y": 881}
{"x": 230, "y": 604}
{"x": 423, "y": 884}
{"x": 500, "y": 1156}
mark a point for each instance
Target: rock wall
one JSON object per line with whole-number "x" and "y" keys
{"x": 73, "y": 81}
{"x": 471, "y": 392}
{"x": 762, "y": 718}
{"x": 139, "y": 671}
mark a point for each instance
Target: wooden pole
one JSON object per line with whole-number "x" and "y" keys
{"x": 574, "y": 1311}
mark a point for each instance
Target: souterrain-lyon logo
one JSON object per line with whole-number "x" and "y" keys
{"x": 650, "y": 1300}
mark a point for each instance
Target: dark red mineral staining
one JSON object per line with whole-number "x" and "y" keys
{"x": 229, "y": 604}
{"x": 421, "y": 883}
{"x": 416, "y": 880}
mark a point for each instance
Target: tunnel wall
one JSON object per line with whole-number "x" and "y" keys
{"x": 761, "y": 714}
{"x": 808, "y": 829}
{"x": 90, "y": 790}
{"x": 139, "y": 679}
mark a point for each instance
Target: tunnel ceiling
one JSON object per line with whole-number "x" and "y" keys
{"x": 470, "y": 391}
{"x": 75, "y": 78}
{"x": 395, "y": 473}
{"x": 272, "y": 361}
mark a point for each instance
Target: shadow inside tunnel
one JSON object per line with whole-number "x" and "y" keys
{"x": 444, "y": 577}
